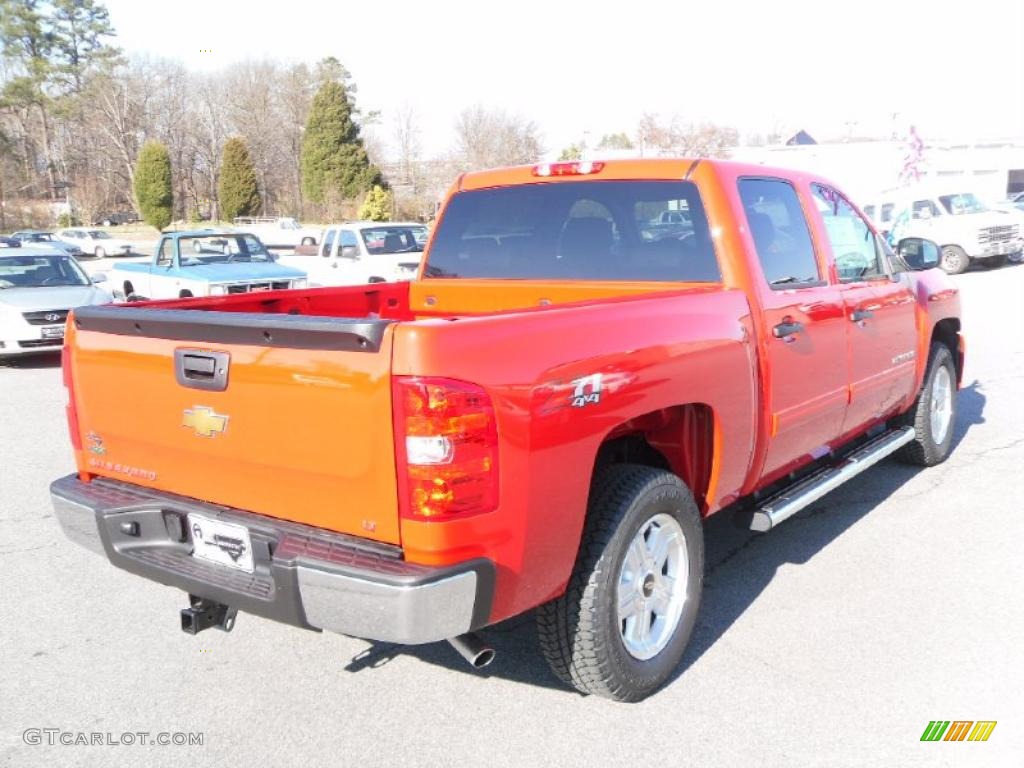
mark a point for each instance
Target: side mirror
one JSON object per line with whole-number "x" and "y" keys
{"x": 100, "y": 278}
{"x": 918, "y": 253}
{"x": 349, "y": 252}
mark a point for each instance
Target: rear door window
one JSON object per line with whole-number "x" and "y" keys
{"x": 780, "y": 233}
{"x": 576, "y": 230}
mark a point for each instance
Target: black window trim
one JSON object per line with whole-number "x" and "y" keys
{"x": 820, "y": 282}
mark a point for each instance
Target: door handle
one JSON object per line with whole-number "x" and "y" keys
{"x": 201, "y": 369}
{"x": 861, "y": 314}
{"x": 787, "y": 328}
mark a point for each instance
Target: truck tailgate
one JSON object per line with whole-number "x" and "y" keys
{"x": 299, "y": 428}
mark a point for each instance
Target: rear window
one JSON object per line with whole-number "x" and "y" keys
{"x": 586, "y": 230}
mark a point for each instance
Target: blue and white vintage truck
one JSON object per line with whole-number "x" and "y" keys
{"x": 204, "y": 263}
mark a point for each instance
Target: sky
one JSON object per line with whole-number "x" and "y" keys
{"x": 583, "y": 69}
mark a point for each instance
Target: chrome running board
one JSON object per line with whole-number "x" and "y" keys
{"x": 791, "y": 500}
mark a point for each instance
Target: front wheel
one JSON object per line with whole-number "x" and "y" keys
{"x": 621, "y": 627}
{"x": 99, "y": 253}
{"x": 933, "y": 415}
{"x": 954, "y": 259}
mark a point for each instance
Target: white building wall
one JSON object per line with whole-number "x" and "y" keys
{"x": 867, "y": 169}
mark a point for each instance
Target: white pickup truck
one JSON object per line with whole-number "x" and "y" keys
{"x": 363, "y": 252}
{"x": 278, "y": 232}
{"x": 967, "y": 229}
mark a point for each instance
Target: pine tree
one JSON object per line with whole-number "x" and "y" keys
{"x": 335, "y": 166}
{"x": 153, "y": 190}
{"x": 377, "y": 205}
{"x": 238, "y": 192}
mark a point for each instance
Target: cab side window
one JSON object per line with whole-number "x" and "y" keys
{"x": 325, "y": 248}
{"x": 780, "y": 233}
{"x": 854, "y": 246}
{"x": 925, "y": 209}
{"x": 163, "y": 256}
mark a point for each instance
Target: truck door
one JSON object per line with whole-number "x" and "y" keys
{"x": 806, "y": 385}
{"x": 880, "y": 311}
{"x": 351, "y": 264}
{"x": 159, "y": 272}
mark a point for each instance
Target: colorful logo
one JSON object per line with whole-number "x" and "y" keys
{"x": 958, "y": 730}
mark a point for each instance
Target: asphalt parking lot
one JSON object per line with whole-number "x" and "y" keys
{"x": 834, "y": 640}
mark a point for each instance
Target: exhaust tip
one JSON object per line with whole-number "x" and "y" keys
{"x": 473, "y": 649}
{"x": 482, "y": 659}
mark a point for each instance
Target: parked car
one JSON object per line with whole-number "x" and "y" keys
{"x": 96, "y": 242}
{"x": 9, "y": 242}
{"x": 278, "y": 232}
{"x": 542, "y": 420}
{"x": 204, "y": 263}
{"x": 35, "y": 237}
{"x": 37, "y": 290}
{"x": 967, "y": 229}
{"x": 113, "y": 218}
{"x": 363, "y": 252}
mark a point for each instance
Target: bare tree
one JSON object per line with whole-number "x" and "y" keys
{"x": 406, "y": 133}
{"x": 487, "y": 138}
{"x": 676, "y": 137}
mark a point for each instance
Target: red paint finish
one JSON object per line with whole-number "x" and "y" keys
{"x": 694, "y": 369}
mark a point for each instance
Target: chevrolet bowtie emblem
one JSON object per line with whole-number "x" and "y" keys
{"x": 204, "y": 421}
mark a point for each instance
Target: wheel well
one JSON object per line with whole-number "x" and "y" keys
{"x": 947, "y": 332}
{"x": 680, "y": 439}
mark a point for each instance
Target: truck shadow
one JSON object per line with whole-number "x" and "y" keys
{"x": 28, "y": 362}
{"x": 739, "y": 566}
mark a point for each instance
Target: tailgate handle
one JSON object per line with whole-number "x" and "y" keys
{"x": 202, "y": 369}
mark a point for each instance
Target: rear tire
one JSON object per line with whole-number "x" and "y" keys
{"x": 954, "y": 259}
{"x": 933, "y": 415}
{"x": 185, "y": 294}
{"x": 99, "y": 253}
{"x": 129, "y": 289}
{"x": 308, "y": 241}
{"x": 621, "y": 627}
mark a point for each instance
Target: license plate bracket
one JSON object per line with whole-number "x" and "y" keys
{"x": 221, "y": 542}
{"x": 53, "y": 332}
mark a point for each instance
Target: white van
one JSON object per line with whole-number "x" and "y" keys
{"x": 363, "y": 252}
{"x": 967, "y": 229}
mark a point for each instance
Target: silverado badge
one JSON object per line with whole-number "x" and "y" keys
{"x": 205, "y": 421}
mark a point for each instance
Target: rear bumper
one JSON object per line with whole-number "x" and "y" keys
{"x": 303, "y": 576}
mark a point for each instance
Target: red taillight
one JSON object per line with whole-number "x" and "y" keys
{"x": 576, "y": 168}
{"x": 70, "y": 409}
{"x": 446, "y": 441}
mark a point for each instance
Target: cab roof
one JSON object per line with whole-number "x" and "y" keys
{"x": 650, "y": 169}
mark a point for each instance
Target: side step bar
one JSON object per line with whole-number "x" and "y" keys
{"x": 791, "y": 500}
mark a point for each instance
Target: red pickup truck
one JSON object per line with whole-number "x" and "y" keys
{"x": 594, "y": 358}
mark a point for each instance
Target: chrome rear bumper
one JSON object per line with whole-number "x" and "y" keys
{"x": 303, "y": 576}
